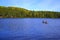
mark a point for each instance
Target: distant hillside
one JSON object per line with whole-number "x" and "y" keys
{"x": 15, "y": 12}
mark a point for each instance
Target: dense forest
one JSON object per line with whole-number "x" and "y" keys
{"x": 16, "y": 12}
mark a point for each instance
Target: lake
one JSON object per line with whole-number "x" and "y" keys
{"x": 29, "y": 29}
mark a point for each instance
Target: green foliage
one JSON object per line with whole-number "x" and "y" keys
{"x": 15, "y": 12}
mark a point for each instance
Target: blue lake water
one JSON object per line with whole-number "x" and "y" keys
{"x": 29, "y": 29}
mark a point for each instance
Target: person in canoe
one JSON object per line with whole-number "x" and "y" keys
{"x": 45, "y": 22}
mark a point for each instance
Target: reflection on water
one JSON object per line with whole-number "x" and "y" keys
{"x": 33, "y": 28}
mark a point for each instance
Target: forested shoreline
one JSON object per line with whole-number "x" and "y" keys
{"x": 16, "y": 12}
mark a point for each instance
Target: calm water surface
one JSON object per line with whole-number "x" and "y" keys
{"x": 29, "y": 29}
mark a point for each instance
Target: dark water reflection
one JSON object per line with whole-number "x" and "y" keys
{"x": 29, "y": 29}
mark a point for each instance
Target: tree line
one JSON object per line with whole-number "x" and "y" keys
{"x": 16, "y": 12}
